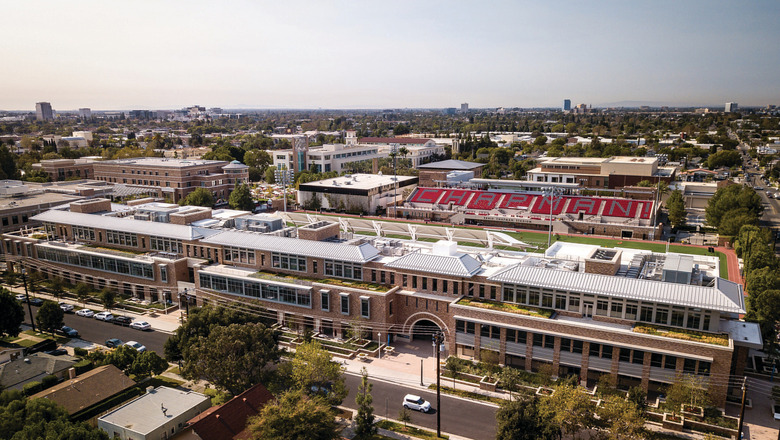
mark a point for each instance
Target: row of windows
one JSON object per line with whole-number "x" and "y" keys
{"x": 97, "y": 262}
{"x": 696, "y": 319}
{"x": 239, "y": 255}
{"x": 254, "y": 289}
{"x": 288, "y": 262}
{"x": 14, "y": 219}
{"x": 122, "y": 238}
{"x": 342, "y": 269}
{"x": 603, "y": 351}
{"x": 84, "y": 233}
{"x": 422, "y": 283}
{"x": 164, "y": 244}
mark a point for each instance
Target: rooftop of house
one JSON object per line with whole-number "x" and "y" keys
{"x": 87, "y": 389}
{"x": 228, "y": 421}
{"x": 16, "y": 373}
{"x": 155, "y": 408}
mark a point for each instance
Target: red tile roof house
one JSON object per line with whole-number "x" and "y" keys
{"x": 228, "y": 421}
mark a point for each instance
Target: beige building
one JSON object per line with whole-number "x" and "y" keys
{"x": 597, "y": 172}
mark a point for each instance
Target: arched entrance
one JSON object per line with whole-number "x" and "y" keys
{"x": 424, "y": 329}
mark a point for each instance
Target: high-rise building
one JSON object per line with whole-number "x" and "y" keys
{"x": 566, "y": 105}
{"x": 85, "y": 112}
{"x": 731, "y": 107}
{"x": 43, "y": 111}
{"x": 464, "y": 108}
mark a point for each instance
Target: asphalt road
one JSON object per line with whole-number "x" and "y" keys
{"x": 460, "y": 417}
{"x": 97, "y": 332}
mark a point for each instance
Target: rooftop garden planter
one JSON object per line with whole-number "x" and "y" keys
{"x": 543, "y": 391}
{"x": 686, "y": 335}
{"x": 505, "y": 307}
{"x": 693, "y": 411}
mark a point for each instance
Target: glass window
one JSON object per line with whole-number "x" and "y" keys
{"x": 560, "y": 302}
{"x": 638, "y": 357}
{"x": 677, "y": 318}
{"x": 538, "y": 340}
{"x": 694, "y": 319}
{"x": 606, "y": 351}
{"x": 365, "y": 307}
{"x": 325, "y": 300}
{"x": 576, "y": 346}
{"x": 670, "y": 362}
{"x": 602, "y": 306}
{"x": 574, "y": 304}
{"x": 344, "y": 304}
{"x": 689, "y": 366}
{"x": 549, "y": 341}
{"x": 595, "y": 349}
{"x": 656, "y": 360}
{"x": 547, "y": 300}
{"x": 631, "y": 310}
{"x": 704, "y": 368}
{"x": 661, "y": 316}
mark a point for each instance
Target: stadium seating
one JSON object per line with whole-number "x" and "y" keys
{"x": 588, "y": 205}
{"x": 620, "y": 208}
{"x": 514, "y": 201}
{"x": 426, "y": 195}
{"x": 485, "y": 200}
{"x": 457, "y": 197}
{"x": 542, "y": 205}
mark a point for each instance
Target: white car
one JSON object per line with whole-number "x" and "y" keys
{"x": 87, "y": 313}
{"x": 66, "y": 307}
{"x": 136, "y": 345}
{"x": 416, "y": 403}
{"x": 21, "y": 297}
{"x": 140, "y": 325}
{"x": 104, "y": 316}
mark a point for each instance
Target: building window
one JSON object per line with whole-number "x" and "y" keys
{"x": 345, "y": 304}
{"x": 163, "y": 274}
{"x": 574, "y": 304}
{"x": 414, "y": 282}
{"x": 656, "y": 360}
{"x": 424, "y": 283}
{"x": 82, "y": 233}
{"x": 342, "y": 269}
{"x": 647, "y": 314}
{"x": 365, "y": 307}
{"x": 670, "y": 363}
{"x": 638, "y": 357}
{"x": 661, "y": 316}
{"x": 677, "y": 318}
{"x": 325, "y": 300}
{"x": 390, "y": 307}
{"x": 288, "y": 262}
{"x": 601, "y": 307}
{"x": 617, "y": 310}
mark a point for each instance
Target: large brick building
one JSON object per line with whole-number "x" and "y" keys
{"x": 638, "y": 316}
{"x": 598, "y": 172}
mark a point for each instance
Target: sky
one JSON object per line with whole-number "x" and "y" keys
{"x": 149, "y": 54}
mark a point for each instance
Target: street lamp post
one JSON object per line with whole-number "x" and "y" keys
{"x": 379, "y": 335}
{"x": 27, "y": 294}
{"x": 438, "y": 339}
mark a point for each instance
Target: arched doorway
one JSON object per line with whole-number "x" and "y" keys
{"x": 424, "y": 329}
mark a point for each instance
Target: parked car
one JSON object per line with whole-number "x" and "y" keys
{"x": 141, "y": 325}
{"x": 136, "y": 345}
{"x": 416, "y": 403}
{"x": 36, "y": 301}
{"x": 21, "y": 297}
{"x": 57, "y": 352}
{"x": 122, "y": 320}
{"x": 104, "y": 316}
{"x": 67, "y": 308}
{"x": 70, "y": 332}
{"x": 87, "y": 313}
{"x": 113, "y": 343}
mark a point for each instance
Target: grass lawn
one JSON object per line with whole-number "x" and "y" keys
{"x": 408, "y": 430}
{"x": 58, "y": 339}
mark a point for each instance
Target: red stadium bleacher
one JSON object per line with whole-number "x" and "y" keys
{"x": 588, "y": 205}
{"x": 647, "y": 210}
{"x": 620, "y": 208}
{"x": 484, "y": 200}
{"x": 426, "y": 195}
{"x": 542, "y": 205}
{"x": 457, "y": 197}
{"x": 514, "y": 201}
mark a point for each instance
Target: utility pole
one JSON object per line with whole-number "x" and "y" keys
{"x": 438, "y": 339}
{"x": 742, "y": 411}
{"x": 27, "y": 294}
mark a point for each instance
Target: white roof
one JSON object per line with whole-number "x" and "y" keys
{"x": 359, "y": 181}
{"x": 726, "y": 296}
{"x": 318, "y": 249}
{"x": 144, "y": 414}
{"x": 180, "y": 232}
{"x": 462, "y": 265}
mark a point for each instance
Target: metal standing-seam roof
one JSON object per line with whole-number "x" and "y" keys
{"x": 725, "y": 296}
{"x": 317, "y": 249}
{"x": 179, "y": 232}
{"x": 462, "y": 265}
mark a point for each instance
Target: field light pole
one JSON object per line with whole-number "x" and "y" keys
{"x": 27, "y": 294}
{"x": 552, "y": 192}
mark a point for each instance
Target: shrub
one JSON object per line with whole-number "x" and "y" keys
{"x": 83, "y": 366}
{"x": 31, "y": 388}
{"x": 81, "y": 352}
{"x": 49, "y": 381}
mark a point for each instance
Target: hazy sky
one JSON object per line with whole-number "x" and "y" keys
{"x": 111, "y": 54}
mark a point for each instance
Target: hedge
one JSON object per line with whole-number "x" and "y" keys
{"x": 31, "y": 388}
{"x": 83, "y": 366}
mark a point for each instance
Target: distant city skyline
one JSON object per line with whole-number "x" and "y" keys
{"x": 406, "y": 54}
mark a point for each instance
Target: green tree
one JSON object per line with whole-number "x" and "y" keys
{"x": 622, "y": 419}
{"x": 199, "y": 197}
{"x": 270, "y": 177}
{"x": 57, "y": 287}
{"x": 364, "y": 421}
{"x": 50, "y": 317}
{"x": 455, "y": 366}
{"x": 676, "y": 206}
{"x": 510, "y": 378}
{"x": 313, "y": 369}
{"x": 82, "y": 292}
{"x": 687, "y": 389}
{"x": 32, "y": 419}
{"x": 522, "y": 419}
{"x": 404, "y": 415}
{"x": 295, "y": 416}
{"x": 638, "y": 397}
{"x": 568, "y": 409}
{"x": 241, "y": 198}
{"x": 108, "y": 298}
{"x": 11, "y": 314}
{"x": 147, "y": 364}
{"x": 233, "y": 358}
{"x": 121, "y": 357}
{"x": 733, "y": 201}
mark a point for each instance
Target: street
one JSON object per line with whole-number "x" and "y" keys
{"x": 97, "y": 332}
{"x": 461, "y": 417}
